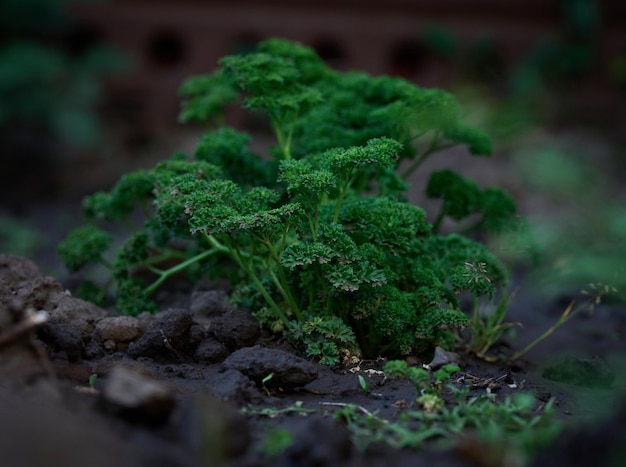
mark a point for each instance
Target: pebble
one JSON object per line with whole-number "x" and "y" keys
{"x": 137, "y": 396}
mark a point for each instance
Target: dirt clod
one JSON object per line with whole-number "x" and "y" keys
{"x": 170, "y": 332}
{"x": 137, "y": 396}
{"x": 288, "y": 371}
{"x": 235, "y": 329}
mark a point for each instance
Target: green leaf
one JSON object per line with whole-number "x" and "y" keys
{"x": 82, "y": 246}
{"x": 205, "y": 97}
{"x": 461, "y": 196}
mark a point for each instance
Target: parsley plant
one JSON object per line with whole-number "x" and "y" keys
{"x": 320, "y": 240}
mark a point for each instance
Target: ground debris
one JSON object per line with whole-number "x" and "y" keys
{"x": 136, "y": 396}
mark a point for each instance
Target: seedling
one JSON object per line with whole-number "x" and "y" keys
{"x": 92, "y": 380}
{"x": 488, "y": 324}
{"x": 364, "y": 386}
{"x": 276, "y": 441}
{"x": 264, "y": 381}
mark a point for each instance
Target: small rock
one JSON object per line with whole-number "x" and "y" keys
{"x": 235, "y": 329}
{"x": 233, "y": 386}
{"x": 289, "y": 371}
{"x": 79, "y": 313}
{"x": 319, "y": 442}
{"x": 443, "y": 357}
{"x": 224, "y": 432}
{"x": 211, "y": 350}
{"x": 118, "y": 330}
{"x": 209, "y": 303}
{"x": 166, "y": 339}
{"x": 63, "y": 337}
{"x": 137, "y": 396}
{"x": 94, "y": 349}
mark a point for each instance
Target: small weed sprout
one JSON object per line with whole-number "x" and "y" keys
{"x": 92, "y": 380}
{"x": 514, "y": 427}
{"x": 594, "y": 294}
{"x": 264, "y": 382}
{"x": 364, "y": 386}
{"x": 488, "y": 324}
{"x": 276, "y": 441}
{"x": 421, "y": 378}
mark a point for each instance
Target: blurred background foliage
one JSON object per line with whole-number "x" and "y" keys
{"x": 571, "y": 189}
{"x": 51, "y": 82}
{"x": 53, "y": 74}
{"x": 538, "y": 88}
{"x": 576, "y": 233}
{"x": 50, "y": 75}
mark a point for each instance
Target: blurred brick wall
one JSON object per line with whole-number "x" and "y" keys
{"x": 172, "y": 40}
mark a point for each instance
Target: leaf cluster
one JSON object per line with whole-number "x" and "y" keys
{"x": 462, "y": 198}
{"x": 47, "y": 88}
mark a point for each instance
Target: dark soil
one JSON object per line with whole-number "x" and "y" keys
{"x": 170, "y": 388}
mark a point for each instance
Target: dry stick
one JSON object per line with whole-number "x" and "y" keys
{"x": 169, "y": 347}
{"x": 360, "y": 407}
{"x": 564, "y": 317}
{"x": 32, "y": 320}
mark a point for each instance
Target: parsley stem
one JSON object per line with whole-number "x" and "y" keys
{"x": 433, "y": 147}
{"x": 281, "y": 281}
{"x": 343, "y": 191}
{"x": 279, "y": 312}
{"x": 165, "y": 274}
{"x": 439, "y": 219}
{"x": 277, "y": 126}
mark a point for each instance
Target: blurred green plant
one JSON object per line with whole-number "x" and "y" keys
{"x": 579, "y": 233}
{"x": 45, "y": 85}
{"x": 276, "y": 441}
{"x": 518, "y": 97}
{"x": 18, "y": 237}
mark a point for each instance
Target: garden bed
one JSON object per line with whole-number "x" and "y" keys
{"x": 188, "y": 386}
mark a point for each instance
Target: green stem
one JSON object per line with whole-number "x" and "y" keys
{"x": 245, "y": 260}
{"x": 277, "y": 126}
{"x": 432, "y": 148}
{"x": 164, "y": 256}
{"x": 313, "y": 224}
{"x": 567, "y": 314}
{"x": 439, "y": 219}
{"x": 165, "y": 274}
{"x": 282, "y": 283}
{"x": 268, "y": 298}
{"x": 343, "y": 191}
{"x": 290, "y": 137}
{"x": 215, "y": 243}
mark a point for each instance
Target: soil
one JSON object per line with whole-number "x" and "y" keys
{"x": 81, "y": 386}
